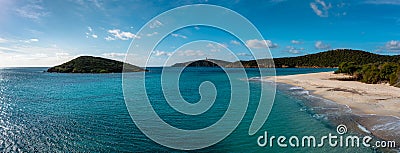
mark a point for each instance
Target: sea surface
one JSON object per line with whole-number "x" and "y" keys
{"x": 52, "y": 112}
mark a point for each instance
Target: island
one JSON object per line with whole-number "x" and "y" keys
{"x": 90, "y": 64}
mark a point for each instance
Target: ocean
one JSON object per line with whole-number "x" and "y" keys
{"x": 50, "y": 112}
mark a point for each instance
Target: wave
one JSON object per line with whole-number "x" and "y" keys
{"x": 296, "y": 88}
{"x": 258, "y": 79}
{"x": 362, "y": 128}
{"x": 382, "y": 127}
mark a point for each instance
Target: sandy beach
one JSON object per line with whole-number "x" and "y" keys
{"x": 378, "y": 99}
{"x": 375, "y": 107}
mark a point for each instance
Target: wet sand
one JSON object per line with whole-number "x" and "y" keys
{"x": 374, "y": 108}
{"x": 378, "y": 99}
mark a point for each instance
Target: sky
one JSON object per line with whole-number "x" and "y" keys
{"x": 50, "y": 32}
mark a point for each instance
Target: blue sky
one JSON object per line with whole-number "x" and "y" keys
{"x": 47, "y": 33}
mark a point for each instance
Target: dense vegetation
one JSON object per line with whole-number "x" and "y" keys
{"x": 330, "y": 58}
{"x": 387, "y": 72}
{"x": 89, "y": 64}
{"x": 203, "y": 63}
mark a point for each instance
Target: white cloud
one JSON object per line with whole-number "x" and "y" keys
{"x": 28, "y": 48}
{"x": 216, "y": 47}
{"x": 63, "y": 55}
{"x": 235, "y": 42}
{"x": 151, "y": 34}
{"x": 129, "y": 58}
{"x": 118, "y": 34}
{"x": 178, "y": 35}
{"x": 383, "y": 2}
{"x": 155, "y": 24}
{"x": 27, "y": 55}
{"x": 90, "y": 4}
{"x": 113, "y": 55}
{"x": 9, "y": 50}
{"x": 2, "y": 40}
{"x": 321, "y": 8}
{"x": 31, "y": 40}
{"x": 296, "y": 42}
{"x": 294, "y": 50}
{"x": 243, "y": 54}
{"x": 255, "y": 43}
{"x": 210, "y": 45}
{"x": 191, "y": 53}
{"x": 34, "y": 40}
{"x": 109, "y": 38}
{"x": 97, "y": 4}
{"x": 321, "y": 45}
{"x": 11, "y": 41}
{"x": 161, "y": 53}
{"x": 393, "y": 45}
{"x": 32, "y": 10}
{"x": 90, "y": 33}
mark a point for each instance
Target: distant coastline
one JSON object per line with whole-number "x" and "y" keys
{"x": 327, "y": 59}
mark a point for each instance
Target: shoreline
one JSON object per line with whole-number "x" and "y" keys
{"x": 366, "y": 108}
{"x": 363, "y": 99}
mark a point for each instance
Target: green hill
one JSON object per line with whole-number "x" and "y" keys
{"x": 330, "y": 58}
{"x": 203, "y": 63}
{"x": 90, "y": 64}
{"x": 333, "y": 58}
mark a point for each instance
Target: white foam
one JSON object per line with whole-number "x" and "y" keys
{"x": 296, "y": 88}
{"x": 318, "y": 116}
{"x": 269, "y": 81}
{"x": 304, "y": 92}
{"x": 258, "y": 79}
{"x": 253, "y": 79}
{"x": 390, "y": 126}
{"x": 363, "y": 128}
{"x": 326, "y": 108}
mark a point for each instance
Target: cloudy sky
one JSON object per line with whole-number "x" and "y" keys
{"x": 50, "y": 32}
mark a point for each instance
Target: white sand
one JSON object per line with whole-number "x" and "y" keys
{"x": 379, "y": 99}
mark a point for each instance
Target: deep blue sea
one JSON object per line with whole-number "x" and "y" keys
{"x": 51, "y": 112}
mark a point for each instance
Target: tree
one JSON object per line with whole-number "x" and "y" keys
{"x": 387, "y": 69}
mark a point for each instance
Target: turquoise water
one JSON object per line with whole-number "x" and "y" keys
{"x": 86, "y": 112}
